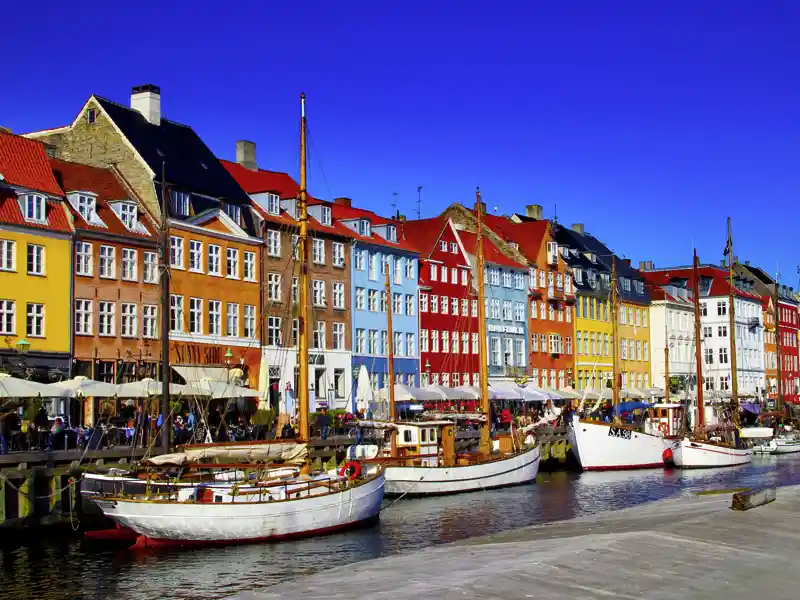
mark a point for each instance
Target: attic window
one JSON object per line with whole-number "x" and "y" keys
{"x": 180, "y": 202}
{"x": 91, "y": 116}
{"x": 86, "y": 207}
{"x": 578, "y": 275}
{"x": 364, "y": 228}
{"x": 35, "y": 208}
{"x": 273, "y": 204}
{"x": 234, "y": 212}
{"x": 128, "y": 215}
{"x": 326, "y": 216}
{"x": 391, "y": 233}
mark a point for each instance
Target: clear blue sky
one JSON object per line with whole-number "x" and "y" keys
{"x": 650, "y": 122}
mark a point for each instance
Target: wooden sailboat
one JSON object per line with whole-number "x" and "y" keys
{"x": 424, "y": 460}
{"x": 617, "y": 446}
{"x": 261, "y": 507}
{"x": 697, "y": 450}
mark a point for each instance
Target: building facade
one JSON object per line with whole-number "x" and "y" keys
{"x": 35, "y": 266}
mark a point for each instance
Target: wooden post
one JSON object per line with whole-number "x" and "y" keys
{"x": 700, "y": 431}
{"x": 390, "y": 340}
{"x": 732, "y": 315}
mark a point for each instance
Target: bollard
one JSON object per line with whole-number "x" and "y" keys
{"x": 752, "y": 498}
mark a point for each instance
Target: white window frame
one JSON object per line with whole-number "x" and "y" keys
{"x": 196, "y": 316}
{"x": 8, "y": 255}
{"x": 175, "y": 252}
{"x": 338, "y": 336}
{"x": 249, "y": 266}
{"x": 195, "y": 256}
{"x": 318, "y": 251}
{"x": 338, "y": 295}
{"x": 107, "y": 262}
{"x": 249, "y": 321}
{"x": 106, "y": 318}
{"x": 274, "y": 243}
{"x": 130, "y": 264}
{"x": 129, "y": 320}
{"x": 232, "y": 263}
{"x": 232, "y": 319}
{"x": 150, "y": 267}
{"x": 337, "y": 250}
{"x": 149, "y": 321}
{"x": 84, "y": 317}
{"x": 214, "y": 260}
{"x": 36, "y": 251}
{"x": 215, "y": 318}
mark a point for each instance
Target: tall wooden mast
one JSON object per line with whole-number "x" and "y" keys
{"x": 303, "y": 320}
{"x": 778, "y": 344}
{"x": 666, "y": 351}
{"x": 390, "y": 349}
{"x": 732, "y": 315}
{"x": 700, "y": 430}
{"x": 615, "y": 332}
{"x": 484, "y": 447}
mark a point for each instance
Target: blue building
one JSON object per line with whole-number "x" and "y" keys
{"x": 506, "y": 298}
{"x": 376, "y": 248}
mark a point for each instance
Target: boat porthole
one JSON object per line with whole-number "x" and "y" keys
{"x": 584, "y": 430}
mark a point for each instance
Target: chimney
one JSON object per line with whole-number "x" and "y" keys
{"x": 401, "y": 218}
{"x": 723, "y": 263}
{"x": 246, "y": 154}
{"x": 343, "y": 201}
{"x": 483, "y": 208}
{"x": 533, "y": 211}
{"x": 147, "y": 100}
{"x": 577, "y": 227}
{"x": 627, "y": 261}
{"x": 747, "y": 263}
{"x": 643, "y": 265}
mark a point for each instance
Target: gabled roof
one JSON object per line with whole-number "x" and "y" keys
{"x": 24, "y": 163}
{"x": 658, "y": 281}
{"x": 718, "y": 276}
{"x": 257, "y": 182}
{"x": 491, "y": 253}
{"x": 346, "y": 213}
{"x": 188, "y": 162}
{"x": 423, "y": 234}
{"x": 75, "y": 177}
{"x": 529, "y": 236}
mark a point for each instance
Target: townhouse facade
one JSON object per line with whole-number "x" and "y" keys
{"x": 35, "y": 270}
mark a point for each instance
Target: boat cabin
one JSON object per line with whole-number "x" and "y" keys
{"x": 665, "y": 418}
{"x": 426, "y": 443}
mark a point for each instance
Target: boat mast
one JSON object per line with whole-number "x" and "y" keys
{"x": 390, "y": 336}
{"x": 700, "y": 430}
{"x": 778, "y": 344}
{"x": 732, "y": 315}
{"x": 302, "y": 243}
{"x": 166, "y": 429}
{"x": 666, "y": 352}
{"x": 615, "y": 332}
{"x": 483, "y": 448}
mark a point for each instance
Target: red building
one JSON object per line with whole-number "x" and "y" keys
{"x": 448, "y": 308}
{"x": 787, "y": 345}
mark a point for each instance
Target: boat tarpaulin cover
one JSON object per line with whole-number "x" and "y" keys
{"x": 623, "y": 407}
{"x": 290, "y": 453}
{"x": 751, "y": 407}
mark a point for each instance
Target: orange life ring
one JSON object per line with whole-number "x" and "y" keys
{"x": 351, "y": 470}
{"x": 662, "y": 427}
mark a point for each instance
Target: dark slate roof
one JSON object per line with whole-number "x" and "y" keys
{"x": 182, "y": 151}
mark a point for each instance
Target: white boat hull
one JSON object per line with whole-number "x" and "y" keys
{"x": 786, "y": 446}
{"x": 244, "y": 522}
{"x": 764, "y": 446}
{"x": 517, "y": 469}
{"x": 688, "y": 454}
{"x": 604, "y": 447}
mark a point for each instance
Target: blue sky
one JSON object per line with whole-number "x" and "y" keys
{"x": 650, "y": 122}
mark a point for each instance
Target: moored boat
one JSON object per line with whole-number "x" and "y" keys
{"x": 786, "y": 444}
{"x": 615, "y": 446}
{"x": 694, "y": 454}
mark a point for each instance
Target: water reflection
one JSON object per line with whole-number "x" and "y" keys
{"x": 70, "y": 568}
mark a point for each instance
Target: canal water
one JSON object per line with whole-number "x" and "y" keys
{"x": 71, "y": 568}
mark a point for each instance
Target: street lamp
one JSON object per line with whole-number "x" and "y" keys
{"x": 22, "y": 347}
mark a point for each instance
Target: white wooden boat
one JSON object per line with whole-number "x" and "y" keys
{"x": 786, "y": 444}
{"x": 430, "y": 480}
{"x": 690, "y": 454}
{"x": 762, "y": 446}
{"x": 606, "y": 446}
{"x": 249, "y": 513}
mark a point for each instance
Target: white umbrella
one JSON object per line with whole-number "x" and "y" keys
{"x": 470, "y": 392}
{"x": 568, "y": 392}
{"x": 409, "y": 393}
{"x": 444, "y": 393}
{"x": 220, "y": 389}
{"x": 561, "y": 394}
{"x": 527, "y": 393}
{"x": 631, "y": 393}
{"x": 150, "y": 387}
{"x": 12, "y": 387}
{"x": 364, "y": 395}
{"x": 83, "y": 386}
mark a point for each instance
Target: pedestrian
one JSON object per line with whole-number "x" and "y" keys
{"x": 324, "y": 422}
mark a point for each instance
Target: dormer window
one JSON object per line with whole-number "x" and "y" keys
{"x": 639, "y": 285}
{"x": 364, "y": 228}
{"x": 234, "y": 211}
{"x": 626, "y": 283}
{"x": 326, "y": 216}
{"x": 578, "y": 275}
{"x": 128, "y": 214}
{"x": 91, "y": 116}
{"x": 180, "y": 203}
{"x": 86, "y": 207}
{"x": 593, "y": 257}
{"x": 391, "y": 233}
{"x": 35, "y": 208}
{"x": 273, "y": 204}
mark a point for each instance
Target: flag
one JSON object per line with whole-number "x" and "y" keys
{"x": 727, "y": 250}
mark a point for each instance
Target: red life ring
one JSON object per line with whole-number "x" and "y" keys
{"x": 351, "y": 470}
{"x": 662, "y": 427}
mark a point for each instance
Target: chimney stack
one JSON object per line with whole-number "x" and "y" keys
{"x": 246, "y": 154}
{"x": 146, "y": 99}
{"x": 747, "y": 263}
{"x": 483, "y": 208}
{"x": 343, "y": 201}
{"x": 643, "y": 265}
{"x": 401, "y": 218}
{"x": 577, "y": 227}
{"x": 534, "y": 211}
{"x": 723, "y": 263}
{"x": 627, "y": 261}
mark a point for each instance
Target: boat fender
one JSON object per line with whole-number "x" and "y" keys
{"x": 666, "y": 456}
{"x": 351, "y": 470}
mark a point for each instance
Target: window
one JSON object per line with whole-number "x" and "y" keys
{"x": 175, "y": 313}
{"x": 423, "y": 340}
{"x": 129, "y": 326}
{"x": 373, "y": 341}
{"x": 434, "y": 304}
{"x": 410, "y": 305}
{"x": 128, "y": 215}
{"x": 130, "y": 271}
{"x": 249, "y": 321}
{"x": 325, "y": 215}
{"x": 494, "y": 351}
{"x": 722, "y": 308}
{"x": 435, "y": 341}
{"x": 445, "y": 305}
{"x": 495, "y": 308}
{"x": 249, "y": 266}
{"x": 232, "y": 263}
{"x": 626, "y": 283}
{"x": 474, "y": 311}
{"x": 410, "y": 271}
{"x": 273, "y": 204}
{"x": 318, "y": 251}
{"x": 707, "y": 332}
{"x": 338, "y": 295}
{"x": 175, "y": 252}
{"x": 723, "y": 356}
{"x": 361, "y": 259}
{"x": 374, "y": 301}
{"x": 295, "y": 331}
{"x": 91, "y": 116}
{"x": 443, "y": 246}
{"x": 645, "y": 354}
{"x": 150, "y": 267}
{"x": 83, "y": 317}
{"x": 296, "y": 247}
{"x": 373, "y": 267}
{"x": 535, "y": 342}
{"x": 273, "y": 242}
{"x": 318, "y": 292}
{"x": 35, "y": 208}
{"x": 494, "y": 277}
{"x": 8, "y": 255}
{"x": 234, "y": 212}
{"x": 433, "y": 273}
{"x": 644, "y": 319}
{"x": 195, "y": 315}
{"x": 106, "y": 313}
{"x": 338, "y": 252}
{"x": 318, "y": 340}
{"x": 475, "y": 348}
{"x": 338, "y": 336}
{"x": 638, "y": 350}
{"x": 722, "y": 331}
{"x": 149, "y": 320}
{"x": 519, "y": 281}
{"x": 232, "y": 321}
{"x": 86, "y": 207}
{"x": 454, "y": 306}
{"x": 453, "y": 248}
{"x": 708, "y": 354}
{"x": 464, "y": 307}
{"x": 274, "y": 287}
{"x": 35, "y": 259}
{"x": 384, "y": 349}
{"x": 108, "y": 262}
{"x": 364, "y": 228}
{"x": 519, "y": 351}
{"x": 454, "y": 340}
{"x": 361, "y": 299}
{"x": 464, "y": 342}
{"x": 507, "y": 279}
{"x": 507, "y": 314}
{"x": 195, "y": 256}
{"x": 703, "y": 309}
{"x": 446, "y": 342}
{"x": 274, "y": 335}
{"x": 443, "y": 274}
{"x": 568, "y": 345}
{"x": 214, "y": 260}
{"x": 180, "y": 203}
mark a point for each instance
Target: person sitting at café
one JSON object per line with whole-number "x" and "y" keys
{"x": 57, "y": 436}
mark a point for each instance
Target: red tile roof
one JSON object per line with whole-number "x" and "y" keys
{"x": 491, "y": 253}
{"x": 23, "y": 163}
{"x": 422, "y": 234}
{"x": 256, "y": 182}
{"x": 74, "y": 177}
{"x": 344, "y": 213}
{"x": 10, "y": 213}
{"x": 718, "y": 276}
{"x": 529, "y": 236}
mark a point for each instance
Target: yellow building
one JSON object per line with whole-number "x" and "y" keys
{"x": 35, "y": 264}
{"x": 593, "y": 340}
{"x": 634, "y": 348}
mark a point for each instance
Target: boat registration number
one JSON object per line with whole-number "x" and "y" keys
{"x": 618, "y": 432}
{"x": 106, "y": 503}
